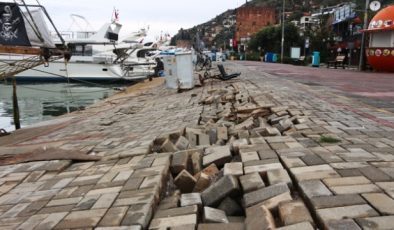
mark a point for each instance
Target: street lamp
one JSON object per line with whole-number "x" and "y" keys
{"x": 363, "y": 38}
{"x": 283, "y": 32}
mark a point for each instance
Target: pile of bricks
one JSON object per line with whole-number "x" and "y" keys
{"x": 224, "y": 174}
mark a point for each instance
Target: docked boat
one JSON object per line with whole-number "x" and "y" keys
{"x": 95, "y": 57}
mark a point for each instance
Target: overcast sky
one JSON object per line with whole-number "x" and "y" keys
{"x": 161, "y": 15}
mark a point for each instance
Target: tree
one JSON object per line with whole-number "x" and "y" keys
{"x": 269, "y": 39}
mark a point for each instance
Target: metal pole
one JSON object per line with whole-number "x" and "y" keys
{"x": 15, "y": 105}
{"x": 283, "y": 33}
{"x": 363, "y": 38}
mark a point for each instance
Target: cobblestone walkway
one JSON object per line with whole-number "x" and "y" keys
{"x": 348, "y": 184}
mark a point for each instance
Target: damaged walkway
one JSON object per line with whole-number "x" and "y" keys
{"x": 257, "y": 152}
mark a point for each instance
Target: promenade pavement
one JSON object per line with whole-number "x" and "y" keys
{"x": 349, "y": 183}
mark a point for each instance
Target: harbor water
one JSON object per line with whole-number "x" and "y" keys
{"x": 41, "y": 102}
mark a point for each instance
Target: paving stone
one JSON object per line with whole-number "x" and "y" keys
{"x": 203, "y": 139}
{"x": 140, "y": 214}
{"x": 185, "y": 227}
{"x": 259, "y": 218}
{"x": 33, "y": 221}
{"x": 267, "y": 154}
{"x": 217, "y": 155}
{"x": 381, "y": 202}
{"x": 303, "y": 226}
{"x": 134, "y": 227}
{"x": 263, "y": 194}
{"x": 235, "y": 169}
{"x": 273, "y": 203}
{"x": 279, "y": 176}
{"x": 105, "y": 201}
{"x": 185, "y": 182}
{"x": 346, "y": 224}
{"x": 348, "y": 212}
{"x": 222, "y": 133}
{"x": 82, "y": 219}
{"x": 354, "y": 189}
{"x": 349, "y": 172}
{"x": 230, "y": 207}
{"x": 314, "y": 188}
{"x": 262, "y": 169}
{"x": 212, "y": 215}
{"x": 359, "y": 180}
{"x": 191, "y": 199}
{"x": 321, "y": 202}
{"x": 196, "y": 159}
{"x": 251, "y": 182}
{"x": 294, "y": 212}
{"x": 51, "y": 221}
{"x": 312, "y": 159}
{"x": 292, "y": 162}
{"x": 179, "y": 162}
{"x": 249, "y": 156}
{"x": 151, "y": 181}
{"x": 62, "y": 202}
{"x": 33, "y": 208}
{"x": 86, "y": 203}
{"x": 229, "y": 226}
{"x": 314, "y": 172}
{"x": 193, "y": 209}
{"x": 113, "y": 217}
{"x": 168, "y": 146}
{"x": 182, "y": 143}
{"x": 217, "y": 192}
{"x": 170, "y": 202}
{"x": 382, "y": 222}
{"x": 158, "y": 223}
{"x": 375, "y": 174}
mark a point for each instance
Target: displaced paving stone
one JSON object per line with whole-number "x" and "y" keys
{"x": 185, "y": 182}
{"x": 279, "y": 176}
{"x": 263, "y": 194}
{"x": 170, "y": 202}
{"x": 222, "y": 188}
{"x": 299, "y": 226}
{"x": 259, "y": 218}
{"x": 294, "y": 212}
{"x": 176, "y": 221}
{"x": 205, "y": 178}
{"x": 292, "y": 162}
{"x": 321, "y": 202}
{"x": 196, "y": 159}
{"x": 177, "y": 211}
{"x": 263, "y": 168}
{"x": 217, "y": 155}
{"x": 381, "y": 202}
{"x": 382, "y": 222}
{"x": 251, "y": 182}
{"x": 212, "y": 215}
{"x": 230, "y": 207}
{"x": 314, "y": 188}
{"x": 229, "y": 226}
{"x": 249, "y": 156}
{"x": 182, "y": 143}
{"x": 179, "y": 162}
{"x": 191, "y": 199}
{"x": 273, "y": 203}
{"x": 168, "y": 146}
{"x": 348, "y": 212}
{"x": 235, "y": 169}
{"x": 346, "y": 224}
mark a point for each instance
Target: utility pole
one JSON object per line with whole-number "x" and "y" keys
{"x": 363, "y": 38}
{"x": 283, "y": 32}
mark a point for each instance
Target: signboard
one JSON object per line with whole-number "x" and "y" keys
{"x": 295, "y": 52}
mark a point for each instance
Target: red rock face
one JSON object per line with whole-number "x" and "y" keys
{"x": 250, "y": 20}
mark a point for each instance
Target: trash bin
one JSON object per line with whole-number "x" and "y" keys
{"x": 269, "y": 57}
{"x": 316, "y": 59}
{"x": 274, "y": 58}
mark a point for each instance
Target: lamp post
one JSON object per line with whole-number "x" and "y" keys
{"x": 363, "y": 38}
{"x": 283, "y": 33}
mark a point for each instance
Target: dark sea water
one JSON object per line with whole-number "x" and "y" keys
{"x": 41, "y": 102}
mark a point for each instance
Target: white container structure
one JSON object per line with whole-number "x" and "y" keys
{"x": 178, "y": 69}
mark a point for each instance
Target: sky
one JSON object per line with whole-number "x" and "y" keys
{"x": 166, "y": 16}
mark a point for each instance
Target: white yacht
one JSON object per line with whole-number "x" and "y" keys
{"x": 95, "y": 58}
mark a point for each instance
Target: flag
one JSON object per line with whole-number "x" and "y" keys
{"x": 115, "y": 16}
{"x": 12, "y": 26}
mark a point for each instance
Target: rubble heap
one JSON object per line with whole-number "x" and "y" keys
{"x": 224, "y": 174}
